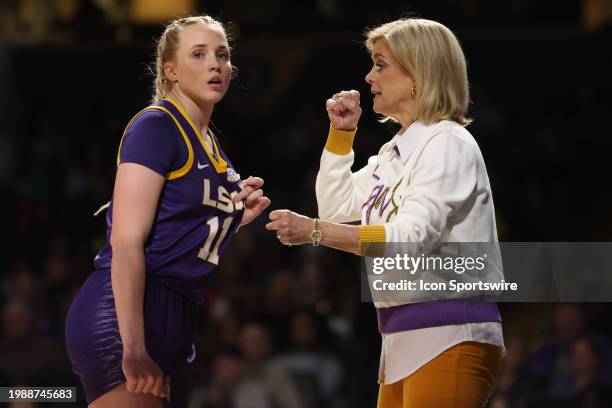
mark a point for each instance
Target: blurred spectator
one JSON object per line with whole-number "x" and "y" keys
{"x": 311, "y": 282}
{"x": 312, "y": 362}
{"x": 275, "y": 382}
{"x": 551, "y": 362}
{"x": 568, "y": 364}
{"x": 227, "y": 388}
{"x": 29, "y": 357}
{"x": 591, "y": 364}
{"x": 280, "y": 292}
{"x": 515, "y": 387}
{"x": 19, "y": 283}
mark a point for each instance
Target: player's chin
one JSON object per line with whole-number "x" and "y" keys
{"x": 213, "y": 97}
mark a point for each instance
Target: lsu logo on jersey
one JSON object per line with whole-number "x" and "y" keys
{"x": 224, "y": 200}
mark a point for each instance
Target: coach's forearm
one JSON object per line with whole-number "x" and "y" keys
{"x": 350, "y": 238}
{"x": 128, "y": 281}
{"x": 340, "y": 236}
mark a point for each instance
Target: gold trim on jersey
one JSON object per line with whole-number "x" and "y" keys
{"x": 218, "y": 162}
{"x": 187, "y": 166}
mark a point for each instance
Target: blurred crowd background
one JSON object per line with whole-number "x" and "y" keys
{"x": 284, "y": 327}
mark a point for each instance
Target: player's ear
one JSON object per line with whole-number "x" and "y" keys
{"x": 169, "y": 72}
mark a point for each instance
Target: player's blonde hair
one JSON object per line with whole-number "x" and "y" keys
{"x": 431, "y": 53}
{"x": 167, "y": 45}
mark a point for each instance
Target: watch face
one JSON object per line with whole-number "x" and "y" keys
{"x": 316, "y": 235}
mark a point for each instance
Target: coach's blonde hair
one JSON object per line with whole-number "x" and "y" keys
{"x": 167, "y": 45}
{"x": 431, "y": 53}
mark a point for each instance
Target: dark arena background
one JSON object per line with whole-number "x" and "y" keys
{"x": 288, "y": 323}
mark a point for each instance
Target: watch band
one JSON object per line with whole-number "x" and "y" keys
{"x": 316, "y": 235}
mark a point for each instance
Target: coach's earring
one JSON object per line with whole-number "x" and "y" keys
{"x": 167, "y": 388}
{"x": 413, "y": 91}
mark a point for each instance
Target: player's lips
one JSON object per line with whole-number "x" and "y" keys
{"x": 216, "y": 83}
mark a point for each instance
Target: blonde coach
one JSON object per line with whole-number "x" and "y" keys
{"x": 427, "y": 185}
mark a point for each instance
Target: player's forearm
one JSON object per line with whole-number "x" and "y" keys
{"x": 128, "y": 280}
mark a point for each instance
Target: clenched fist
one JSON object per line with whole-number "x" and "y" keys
{"x": 142, "y": 374}
{"x": 344, "y": 110}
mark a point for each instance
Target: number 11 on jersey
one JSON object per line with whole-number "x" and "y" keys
{"x": 206, "y": 253}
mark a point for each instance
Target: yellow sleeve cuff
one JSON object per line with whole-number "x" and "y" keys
{"x": 370, "y": 234}
{"x": 339, "y": 142}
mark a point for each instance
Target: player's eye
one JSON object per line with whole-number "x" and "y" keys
{"x": 223, "y": 55}
{"x": 379, "y": 66}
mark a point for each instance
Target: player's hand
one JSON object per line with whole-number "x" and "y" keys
{"x": 344, "y": 110}
{"x": 254, "y": 200}
{"x": 143, "y": 375}
{"x": 291, "y": 228}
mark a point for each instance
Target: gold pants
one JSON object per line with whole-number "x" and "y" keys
{"x": 463, "y": 376}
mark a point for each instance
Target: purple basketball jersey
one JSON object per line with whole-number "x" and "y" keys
{"x": 195, "y": 218}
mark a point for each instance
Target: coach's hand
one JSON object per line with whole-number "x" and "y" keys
{"x": 343, "y": 110}
{"x": 254, "y": 200}
{"x": 143, "y": 375}
{"x": 291, "y": 228}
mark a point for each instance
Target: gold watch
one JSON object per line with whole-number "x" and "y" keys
{"x": 316, "y": 235}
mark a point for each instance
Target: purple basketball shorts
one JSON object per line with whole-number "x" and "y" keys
{"x": 94, "y": 345}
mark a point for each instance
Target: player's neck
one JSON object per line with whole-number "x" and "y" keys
{"x": 199, "y": 115}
